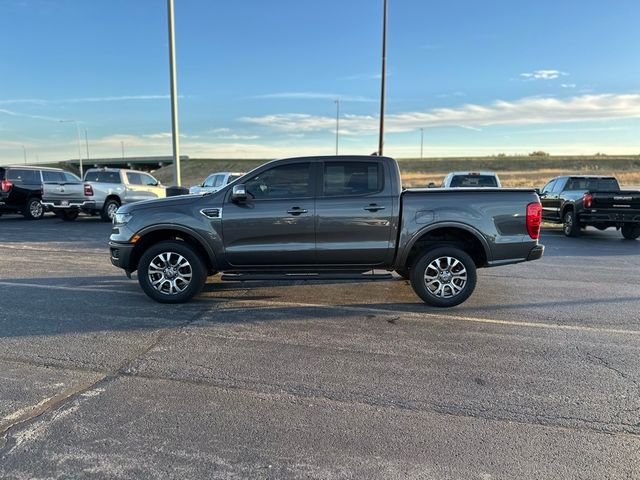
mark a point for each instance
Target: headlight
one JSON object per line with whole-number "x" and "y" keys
{"x": 121, "y": 218}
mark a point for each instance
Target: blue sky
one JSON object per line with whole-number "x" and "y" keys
{"x": 258, "y": 79}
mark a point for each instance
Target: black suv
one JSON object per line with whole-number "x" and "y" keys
{"x": 21, "y": 190}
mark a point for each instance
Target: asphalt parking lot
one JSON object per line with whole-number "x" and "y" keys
{"x": 536, "y": 376}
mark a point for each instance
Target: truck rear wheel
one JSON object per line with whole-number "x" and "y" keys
{"x": 630, "y": 232}
{"x": 444, "y": 276}
{"x": 171, "y": 272}
{"x": 570, "y": 224}
{"x": 34, "y": 209}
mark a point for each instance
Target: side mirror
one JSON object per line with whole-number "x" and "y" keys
{"x": 538, "y": 191}
{"x": 239, "y": 193}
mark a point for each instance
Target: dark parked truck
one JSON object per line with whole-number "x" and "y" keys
{"x": 323, "y": 217}
{"x": 581, "y": 201}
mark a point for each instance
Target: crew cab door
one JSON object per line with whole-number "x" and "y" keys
{"x": 275, "y": 225}
{"x": 354, "y": 210}
{"x": 549, "y": 210}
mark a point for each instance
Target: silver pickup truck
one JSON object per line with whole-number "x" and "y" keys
{"x": 64, "y": 194}
{"x": 102, "y": 192}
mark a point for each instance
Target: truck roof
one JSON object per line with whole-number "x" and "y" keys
{"x": 30, "y": 167}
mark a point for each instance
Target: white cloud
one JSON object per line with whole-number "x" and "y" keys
{"x": 543, "y": 75}
{"x": 568, "y": 85}
{"x": 315, "y": 96}
{"x": 525, "y": 111}
{"x": 42, "y": 101}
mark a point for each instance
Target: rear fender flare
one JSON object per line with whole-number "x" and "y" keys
{"x": 436, "y": 226}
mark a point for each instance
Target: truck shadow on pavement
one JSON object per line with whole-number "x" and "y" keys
{"x": 61, "y": 306}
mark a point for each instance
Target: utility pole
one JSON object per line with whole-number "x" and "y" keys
{"x": 383, "y": 78}
{"x": 78, "y": 137}
{"x": 174, "y": 96}
{"x": 24, "y": 152}
{"x": 122, "y": 145}
{"x": 86, "y": 142}
{"x": 421, "y": 142}
{"x": 337, "y": 123}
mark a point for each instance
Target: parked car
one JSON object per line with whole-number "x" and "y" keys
{"x": 21, "y": 189}
{"x": 65, "y": 194}
{"x": 580, "y": 200}
{"x": 471, "y": 180}
{"x": 109, "y": 188}
{"x": 324, "y": 216}
{"x": 215, "y": 182}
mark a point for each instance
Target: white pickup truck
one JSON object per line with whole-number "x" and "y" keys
{"x": 102, "y": 192}
{"x": 215, "y": 182}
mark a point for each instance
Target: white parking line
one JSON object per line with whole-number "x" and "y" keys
{"x": 351, "y": 308}
{"x": 444, "y": 316}
{"x": 71, "y": 289}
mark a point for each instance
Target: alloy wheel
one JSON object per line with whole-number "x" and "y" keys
{"x": 169, "y": 273}
{"x": 445, "y": 277}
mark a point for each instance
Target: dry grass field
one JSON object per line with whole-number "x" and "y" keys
{"x": 514, "y": 171}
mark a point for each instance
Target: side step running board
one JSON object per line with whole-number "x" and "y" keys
{"x": 245, "y": 277}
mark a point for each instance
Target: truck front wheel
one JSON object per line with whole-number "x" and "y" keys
{"x": 444, "y": 276}
{"x": 631, "y": 232}
{"x": 171, "y": 272}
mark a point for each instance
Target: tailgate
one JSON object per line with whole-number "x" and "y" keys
{"x": 63, "y": 191}
{"x": 628, "y": 200}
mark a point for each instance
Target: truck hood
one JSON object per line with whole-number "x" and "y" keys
{"x": 160, "y": 203}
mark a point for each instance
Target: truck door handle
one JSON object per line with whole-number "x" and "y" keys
{"x": 374, "y": 208}
{"x": 296, "y": 211}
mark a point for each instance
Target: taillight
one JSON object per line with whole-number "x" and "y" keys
{"x": 88, "y": 190}
{"x": 5, "y": 185}
{"x": 587, "y": 200}
{"x": 534, "y": 219}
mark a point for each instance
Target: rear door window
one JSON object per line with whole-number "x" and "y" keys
{"x": 134, "y": 178}
{"x": 351, "y": 178}
{"x": 19, "y": 175}
{"x": 103, "y": 177}
{"x": 48, "y": 176}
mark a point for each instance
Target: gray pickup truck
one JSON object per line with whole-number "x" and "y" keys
{"x": 109, "y": 188}
{"x": 326, "y": 217}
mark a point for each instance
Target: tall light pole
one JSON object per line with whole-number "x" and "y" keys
{"x": 174, "y": 96}
{"x": 337, "y": 123}
{"x": 79, "y": 150}
{"x": 86, "y": 142}
{"x": 383, "y": 78}
{"x": 122, "y": 145}
{"x": 24, "y": 152}
{"x": 421, "y": 142}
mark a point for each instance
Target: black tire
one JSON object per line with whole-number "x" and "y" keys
{"x": 33, "y": 210}
{"x": 108, "y": 211}
{"x": 570, "y": 224}
{"x": 630, "y": 232}
{"x": 166, "y": 255}
{"x": 404, "y": 273}
{"x": 445, "y": 294}
{"x": 69, "y": 215}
